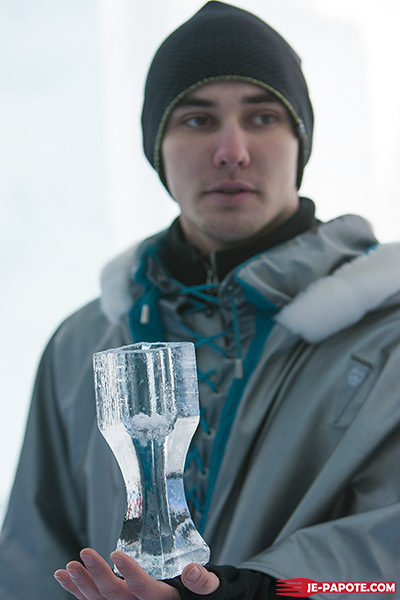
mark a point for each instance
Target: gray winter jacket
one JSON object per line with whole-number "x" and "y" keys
{"x": 299, "y": 375}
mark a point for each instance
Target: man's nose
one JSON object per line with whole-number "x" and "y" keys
{"x": 231, "y": 147}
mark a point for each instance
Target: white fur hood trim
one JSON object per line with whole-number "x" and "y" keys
{"x": 343, "y": 298}
{"x": 116, "y": 298}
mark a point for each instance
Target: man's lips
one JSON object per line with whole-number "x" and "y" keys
{"x": 229, "y": 189}
{"x": 231, "y": 194}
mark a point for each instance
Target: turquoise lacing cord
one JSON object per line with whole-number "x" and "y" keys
{"x": 198, "y": 300}
{"x": 205, "y": 376}
{"x": 194, "y": 456}
{"x": 191, "y": 495}
{"x": 197, "y": 291}
{"x": 204, "y": 423}
{"x": 146, "y": 324}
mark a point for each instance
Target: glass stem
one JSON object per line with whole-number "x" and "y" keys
{"x": 157, "y": 535}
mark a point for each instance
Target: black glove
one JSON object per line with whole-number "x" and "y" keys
{"x": 236, "y": 584}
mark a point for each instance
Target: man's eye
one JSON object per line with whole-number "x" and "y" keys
{"x": 265, "y": 118}
{"x": 197, "y": 121}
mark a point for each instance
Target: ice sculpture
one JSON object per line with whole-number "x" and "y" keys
{"x": 148, "y": 410}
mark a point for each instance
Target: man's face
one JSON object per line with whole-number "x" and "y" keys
{"x": 230, "y": 159}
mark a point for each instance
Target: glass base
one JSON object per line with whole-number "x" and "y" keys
{"x": 171, "y": 564}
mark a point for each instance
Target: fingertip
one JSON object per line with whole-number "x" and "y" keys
{"x": 198, "y": 580}
{"x": 87, "y": 556}
{"x": 192, "y": 573}
{"x": 62, "y": 577}
{"x": 59, "y": 575}
{"x": 118, "y": 559}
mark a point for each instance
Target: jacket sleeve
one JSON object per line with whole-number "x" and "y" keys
{"x": 358, "y": 548}
{"x": 43, "y": 525}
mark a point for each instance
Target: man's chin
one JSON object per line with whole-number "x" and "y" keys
{"x": 222, "y": 232}
{"x": 228, "y": 240}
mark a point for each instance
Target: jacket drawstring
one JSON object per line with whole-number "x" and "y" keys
{"x": 238, "y": 343}
{"x": 145, "y": 314}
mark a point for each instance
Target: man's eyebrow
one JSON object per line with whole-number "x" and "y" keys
{"x": 193, "y": 101}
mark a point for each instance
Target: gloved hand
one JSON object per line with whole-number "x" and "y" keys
{"x": 94, "y": 580}
{"x": 235, "y": 584}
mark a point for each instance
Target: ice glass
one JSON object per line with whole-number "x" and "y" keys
{"x": 148, "y": 410}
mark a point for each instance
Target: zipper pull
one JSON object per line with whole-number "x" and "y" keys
{"x": 212, "y": 277}
{"x": 212, "y": 270}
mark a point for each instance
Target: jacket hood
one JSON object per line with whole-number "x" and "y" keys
{"x": 337, "y": 301}
{"x": 322, "y": 281}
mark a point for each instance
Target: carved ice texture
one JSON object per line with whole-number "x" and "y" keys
{"x": 148, "y": 410}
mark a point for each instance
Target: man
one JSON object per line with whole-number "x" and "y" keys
{"x": 293, "y": 472}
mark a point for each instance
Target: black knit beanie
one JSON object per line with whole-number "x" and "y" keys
{"x": 222, "y": 42}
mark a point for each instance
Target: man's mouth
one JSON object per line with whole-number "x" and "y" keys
{"x": 231, "y": 188}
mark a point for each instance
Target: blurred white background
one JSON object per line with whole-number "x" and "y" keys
{"x": 75, "y": 188}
